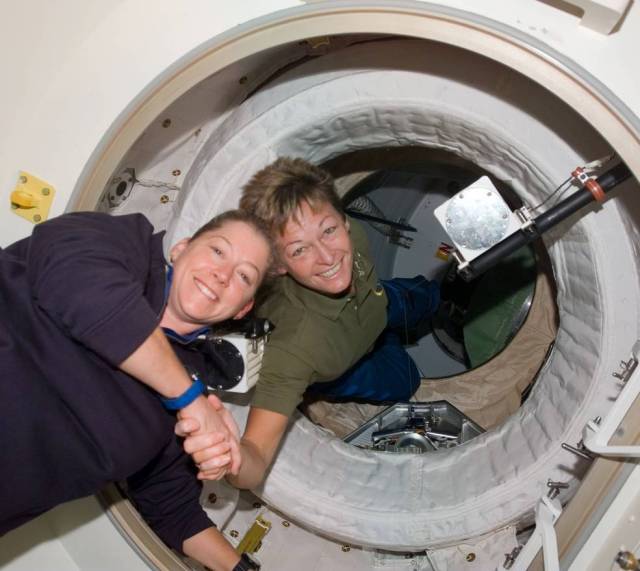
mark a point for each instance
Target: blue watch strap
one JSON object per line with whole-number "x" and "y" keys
{"x": 187, "y": 397}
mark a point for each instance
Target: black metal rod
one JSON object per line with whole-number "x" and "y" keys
{"x": 544, "y": 222}
{"x": 363, "y": 216}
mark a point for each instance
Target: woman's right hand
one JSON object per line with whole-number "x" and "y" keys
{"x": 212, "y": 440}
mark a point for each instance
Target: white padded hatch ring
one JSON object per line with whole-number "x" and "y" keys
{"x": 412, "y": 502}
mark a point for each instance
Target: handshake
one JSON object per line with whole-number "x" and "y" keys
{"x": 211, "y": 438}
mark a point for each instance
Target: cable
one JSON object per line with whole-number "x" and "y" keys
{"x": 563, "y": 183}
{"x": 589, "y": 167}
{"x": 149, "y": 183}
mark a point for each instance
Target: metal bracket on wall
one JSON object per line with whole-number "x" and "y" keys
{"x": 252, "y": 540}
{"x": 31, "y": 198}
{"x": 601, "y": 15}
{"x": 597, "y": 434}
{"x": 548, "y": 511}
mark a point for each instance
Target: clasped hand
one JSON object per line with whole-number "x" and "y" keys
{"x": 211, "y": 438}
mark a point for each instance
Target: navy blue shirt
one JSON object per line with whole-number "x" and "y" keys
{"x": 76, "y": 299}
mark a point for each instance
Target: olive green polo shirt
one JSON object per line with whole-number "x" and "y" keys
{"x": 318, "y": 337}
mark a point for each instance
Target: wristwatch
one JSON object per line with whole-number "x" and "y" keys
{"x": 196, "y": 389}
{"x": 246, "y": 563}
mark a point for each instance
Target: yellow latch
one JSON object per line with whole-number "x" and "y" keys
{"x": 318, "y": 42}
{"x": 32, "y": 198}
{"x": 252, "y": 540}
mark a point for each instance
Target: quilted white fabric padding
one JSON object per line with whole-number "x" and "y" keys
{"x": 398, "y": 94}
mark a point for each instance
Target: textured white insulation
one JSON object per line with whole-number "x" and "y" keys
{"x": 447, "y": 99}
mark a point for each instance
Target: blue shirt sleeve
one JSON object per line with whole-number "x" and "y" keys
{"x": 87, "y": 272}
{"x": 166, "y": 492}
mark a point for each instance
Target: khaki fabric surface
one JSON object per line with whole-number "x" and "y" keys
{"x": 488, "y": 394}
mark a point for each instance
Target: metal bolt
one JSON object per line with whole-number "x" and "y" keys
{"x": 176, "y": 172}
{"x": 286, "y": 523}
{"x": 510, "y": 558}
{"x": 552, "y": 484}
{"x": 166, "y": 123}
{"x": 243, "y": 80}
{"x": 597, "y": 420}
{"x": 461, "y": 196}
{"x": 37, "y": 218}
{"x": 578, "y": 450}
{"x": 234, "y": 533}
{"x": 626, "y": 560}
{"x": 555, "y": 487}
{"x": 213, "y": 498}
{"x": 23, "y": 179}
{"x": 471, "y": 557}
{"x": 164, "y": 199}
{"x": 346, "y": 548}
{"x": 46, "y": 191}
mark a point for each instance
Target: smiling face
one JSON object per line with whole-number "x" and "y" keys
{"x": 215, "y": 276}
{"x": 315, "y": 249}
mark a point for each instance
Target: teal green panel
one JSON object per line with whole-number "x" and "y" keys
{"x": 499, "y": 305}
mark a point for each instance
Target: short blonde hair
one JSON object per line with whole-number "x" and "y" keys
{"x": 276, "y": 192}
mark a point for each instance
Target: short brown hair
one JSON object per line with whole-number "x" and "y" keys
{"x": 251, "y": 220}
{"x": 276, "y": 192}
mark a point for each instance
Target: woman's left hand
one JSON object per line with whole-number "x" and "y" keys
{"x": 214, "y": 454}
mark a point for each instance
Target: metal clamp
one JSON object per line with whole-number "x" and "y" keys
{"x": 527, "y": 223}
{"x": 463, "y": 265}
{"x": 596, "y": 436}
{"x": 589, "y": 182}
{"x": 626, "y": 369}
{"x": 544, "y": 536}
